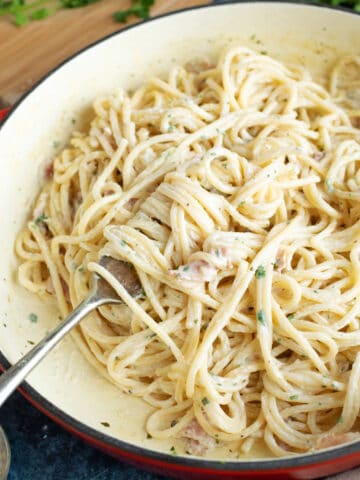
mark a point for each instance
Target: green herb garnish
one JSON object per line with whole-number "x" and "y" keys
{"x": 291, "y": 317}
{"x": 260, "y": 272}
{"x": 354, "y": 4}
{"x": 20, "y": 19}
{"x": 105, "y": 424}
{"x": 294, "y": 397}
{"x": 77, "y": 3}
{"x": 260, "y": 316}
{"x": 22, "y": 12}
{"x": 205, "y": 401}
{"x": 173, "y": 450}
{"x": 139, "y": 8}
{"x": 41, "y": 219}
{"x": 40, "y": 14}
{"x": 33, "y": 317}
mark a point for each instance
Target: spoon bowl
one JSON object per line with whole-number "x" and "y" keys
{"x": 100, "y": 294}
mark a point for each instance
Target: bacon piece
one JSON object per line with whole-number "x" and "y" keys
{"x": 65, "y": 288}
{"x": 197, "y": 66}
{"x": 201, "y": 270}
{"x": 50, "y": 286}
{"x": 333, "y": 439}
{"x": 319, "y": 156}
{"x": 130, "y": 204}
{"x": 49, "y": 170}
{"x": 222, "y": 257}
{"x": 284, "y": 445}
{"x": 197, "y": 440}
{"x": 196, "y": 271}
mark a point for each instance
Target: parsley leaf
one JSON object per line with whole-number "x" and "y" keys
{"x": 23, "y": 11}
{"x": 260, "y": 272}
{"x": 354, "y": 4}
{"x": 261, "y": 317}
{"x": 33, "y": 317}
{"x": 77, "y": 3}
{"x": 40, "y": 14}
{"x": 20, "y": 19}
{"x": 139, "y": 8}
{"x": 41, "y": 219}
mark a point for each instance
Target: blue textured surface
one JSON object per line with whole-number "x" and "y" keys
{"x": 41, "y": 450}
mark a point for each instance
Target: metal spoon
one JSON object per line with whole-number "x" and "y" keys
{"x": 100, "y": 294}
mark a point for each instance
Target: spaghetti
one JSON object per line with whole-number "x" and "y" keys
{"x": 233, "y": 190}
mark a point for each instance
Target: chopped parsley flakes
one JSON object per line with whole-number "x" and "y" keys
{"x": 294, "y": 397}
{"x": 105, "y": 424}
{"x": 41, "y": 219}
{"x": 260, "y": 316}
{"x": 33, "y": 317}
{"x": 260, "y": 272}
{"x": 205, "y": 401}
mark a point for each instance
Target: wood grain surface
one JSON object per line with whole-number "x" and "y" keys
{"x": 29, "y": 52}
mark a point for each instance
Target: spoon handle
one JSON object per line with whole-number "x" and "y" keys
{"x": 12, "y": 378}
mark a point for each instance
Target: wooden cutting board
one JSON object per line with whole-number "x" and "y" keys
{"x": 29, "y": 52}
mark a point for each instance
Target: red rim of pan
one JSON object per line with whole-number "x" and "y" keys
{"x": 325, "y": 461}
